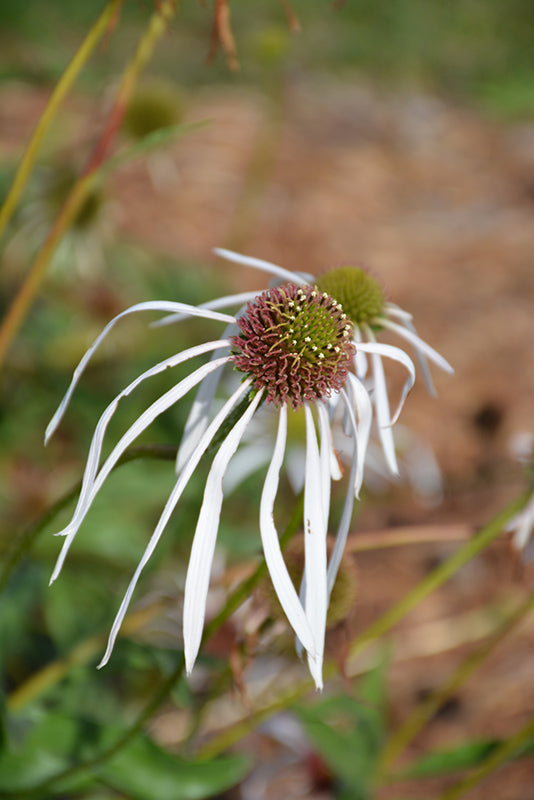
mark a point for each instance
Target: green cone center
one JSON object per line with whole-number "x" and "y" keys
{"x": 360, "y": 295}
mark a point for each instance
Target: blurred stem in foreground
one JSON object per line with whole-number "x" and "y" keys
{"x": 21, "y": 304}
{"x": 103, "y": 24}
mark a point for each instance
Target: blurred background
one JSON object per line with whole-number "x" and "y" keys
{"x": 394, "y": 136}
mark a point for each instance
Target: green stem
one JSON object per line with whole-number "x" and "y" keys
{"x": 505, "y": 751}
{"x": 72, "y": 71}
{"x": 439, "y": 576}
{"x": 25, "y": 540}
{"x": 426, "y": 710}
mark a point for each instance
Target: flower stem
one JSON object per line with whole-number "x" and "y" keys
{"x": 103, "y": 24}
{"x": 426, "y": 710}
{"x": 439, "y": 576}
{"x": 505, "y": 751}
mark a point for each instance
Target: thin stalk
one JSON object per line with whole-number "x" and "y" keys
{"x": 507, "y": 750}
{"x": 24, "y": 299}
{"x": 426, "y": 710}
{"x": 72, "y": 71}
{"x": 439, "y": 576}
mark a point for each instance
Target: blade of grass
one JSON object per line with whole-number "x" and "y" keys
{"x": 426, "y": 710}
{"x": 505, "y": 751}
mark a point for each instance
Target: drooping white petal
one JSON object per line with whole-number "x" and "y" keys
{"x": 325, "y": 456}
{"x": 199, "y": 414}
{"x": 203, "y": 548}
{"x": 280, "y": 578}
{"x": 95, "y": 449}
{"x": 314, "y": 550}
{"x": 421, "y": 360}
{"x": 358, "y": 400}
{"x": 360, "y": 359}
{"x": 147, "y": 417}
{"x": 155, "y": 305}
{"x": 418, "y": 343}
{"x": 381, "y": 403}
{"x": 396, "y": 354}
{"x": 295, "y": 460}
{"x": 218, "y": 302}
{"x": 259, "y": 263}
{"x": 522, "y": 525}
{"x": 393, "y": 310}
{"x": 170, "y": 505}
{"x": 344, "y": 524}
{"x": 249, "y": 459}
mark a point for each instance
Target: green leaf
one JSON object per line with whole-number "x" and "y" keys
{"x": 144, "y": 771}
{"x": 348, "y": 734}
{"x": 50, "y": 747}
{"x": 466, "y": 756}
{"x": 141, "y": 770}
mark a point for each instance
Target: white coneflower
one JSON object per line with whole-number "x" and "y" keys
{"x": 365, "y": 306}
{"x": 522, "y": 524}
{"x": 292, "y": 347}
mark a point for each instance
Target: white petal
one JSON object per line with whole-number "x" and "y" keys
{"x": 344, "y": 524}
{"x": 146, "y": 418}
{"x": 360, "y": 359}
{"x": 280, "y": 578}
{"x": 314, "y": 550}
{"x": 423, "y": 363}
{"x": 358, "y": 399}
{"x": 295, "y": 460}
{"x": 201, "y": 558}
{"x": 197, "y": 419}
{"x": 381, "y": 402}
{"x": 259, "y": 263}
{"x": 250, "y": 459}
{"x": 394, "y": 310}
{"x": 93, "y": 458}
{"x": 219, "y": 302}
{"x": 396, "y": 354}
{"x": 175, "y": 495}
{"x": 325, "y": 454}
{"x": 418, "y": 343}
{"x": 156, "y": 305}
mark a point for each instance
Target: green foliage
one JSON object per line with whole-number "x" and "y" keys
{"x": 467, "y": 755}
{"x": 142, "y": 770}
{"x": 348, "y": 732}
